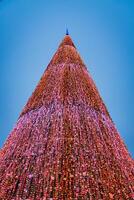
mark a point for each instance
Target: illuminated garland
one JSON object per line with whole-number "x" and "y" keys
{"x": 65, "y": 145}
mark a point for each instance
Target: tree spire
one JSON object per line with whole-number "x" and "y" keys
{"x": 67, "y": 33}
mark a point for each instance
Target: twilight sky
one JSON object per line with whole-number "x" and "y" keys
{"x": 103, "y": 32}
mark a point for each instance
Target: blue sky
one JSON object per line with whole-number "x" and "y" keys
{"x": 103, "y": 32}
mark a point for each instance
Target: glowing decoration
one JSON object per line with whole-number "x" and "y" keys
{"x": 65, "y": 145}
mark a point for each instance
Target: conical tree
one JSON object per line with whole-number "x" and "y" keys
{"x": 65, "y": 145}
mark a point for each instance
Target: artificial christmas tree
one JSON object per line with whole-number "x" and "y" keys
{"x": 65, "y": 145}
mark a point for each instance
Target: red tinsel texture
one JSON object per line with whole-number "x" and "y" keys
{"x": 65, "y": 145}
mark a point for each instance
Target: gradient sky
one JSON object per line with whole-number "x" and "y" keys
{"x": 103, "y": 32}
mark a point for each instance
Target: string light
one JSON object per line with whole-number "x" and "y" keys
{"x": 65, "y": 145}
